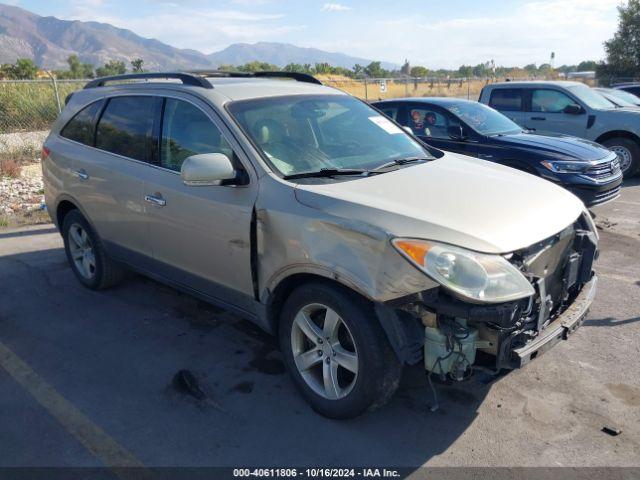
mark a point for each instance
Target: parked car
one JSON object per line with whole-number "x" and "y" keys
{"x": 306, "y": 211}
{"x": 570, "y": 108}
{"x": 631, "y": 87}
{"x": 619, "y": 97}
{"x": 587, "y": 169}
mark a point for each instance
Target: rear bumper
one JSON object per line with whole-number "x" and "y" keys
{"x": 559, "y": 329}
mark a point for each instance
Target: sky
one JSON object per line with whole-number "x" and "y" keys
{"x": 432, "y": 33}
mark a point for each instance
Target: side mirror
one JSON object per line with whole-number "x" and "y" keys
{"x": 207, "y": 169}
{"x": 456, "y": 132}
{"x": 573, "y": 110}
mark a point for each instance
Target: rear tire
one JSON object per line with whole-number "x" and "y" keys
{"x": 86, "y": 254}
{"x": 628, "y": 153}
{"x": 336, "y": 351}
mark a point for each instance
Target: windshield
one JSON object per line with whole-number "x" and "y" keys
{"x": 622, "y": 95}
{"x": 307, "y": 133}
{"x": 592, "y": 98}
{"x": 484, "y": 120}
{"x": 618, "y": 101}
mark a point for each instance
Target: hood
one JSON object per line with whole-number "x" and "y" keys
{"x": 456, "y": 199}
{"x": 571, "y": 147}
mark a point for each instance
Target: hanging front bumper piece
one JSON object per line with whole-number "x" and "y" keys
{"x": 560, "y": 329}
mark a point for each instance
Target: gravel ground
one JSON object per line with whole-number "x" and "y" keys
{"x": 22, "y": 195}
{"x": 22, "y": 141}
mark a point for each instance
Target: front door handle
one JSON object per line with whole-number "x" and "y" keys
{"x": 155, "y": 200}
{"x": 538, "y": 118}
{"x": 81, "y": 174}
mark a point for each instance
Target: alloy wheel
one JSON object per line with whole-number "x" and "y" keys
{"x": 324, "y": 351}
{"x": 81, "y": 251}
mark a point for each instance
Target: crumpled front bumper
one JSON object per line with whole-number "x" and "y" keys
{"x": 560, "y": 329}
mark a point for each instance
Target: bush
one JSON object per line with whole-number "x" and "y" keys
{"x": 10, "y": 168}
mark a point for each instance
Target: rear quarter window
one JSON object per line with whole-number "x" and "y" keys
{"x": 81, "y": 127}
{"x": 126, "y": 125}
{"x": 506, "y": 99}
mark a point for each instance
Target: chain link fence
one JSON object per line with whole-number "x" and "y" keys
{"x": 32, "y": 105}
{"x": 383, "y": 88}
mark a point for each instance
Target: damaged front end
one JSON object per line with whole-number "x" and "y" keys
{"x": 451, "y": 334}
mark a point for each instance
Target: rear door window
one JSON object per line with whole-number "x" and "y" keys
{"x": 126, "y": 126}
{"x": 506, "y": 99}
{"x": 426, "y": 121}
{"x": 550, "y": 101}
{"x": 81, "y": 127}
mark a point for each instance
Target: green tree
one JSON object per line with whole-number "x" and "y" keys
{"x": 77, "y": 69}
{"x": 256, "y": 66}
{"x": 112, "y": 67}
{"x": 23, "y": 69}
{"x": 531, "y": 69}
{"x": 375, "y": 70}
{"x": 587, "y": 65}
{"x": 137, "y": 65}
{"x": 418, "y": 71}
{"x": 465, "y": 71}
{"x": 623, "y": 50}
{"x": 358, "y": 69}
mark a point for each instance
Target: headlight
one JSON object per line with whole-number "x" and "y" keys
{"x": 566, "y": 167}
{"x": 477, "y": 276}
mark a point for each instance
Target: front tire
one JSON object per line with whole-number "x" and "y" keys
{"x": 628, "y": 153}
{"x": 336, "y": 351}
{"x": 86, "y": 254}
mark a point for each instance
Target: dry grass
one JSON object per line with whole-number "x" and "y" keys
{"x": 31, "y": 106}
{"x": 35, "y": 217}
{"x": 402, "y": 88}
{"x": 10, "y": 168}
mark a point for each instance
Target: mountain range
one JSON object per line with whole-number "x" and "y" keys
{"x": 49, "y": 41}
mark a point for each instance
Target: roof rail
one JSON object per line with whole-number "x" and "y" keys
{"x": 299, "y": 77}
{"x": 186, "y": 78}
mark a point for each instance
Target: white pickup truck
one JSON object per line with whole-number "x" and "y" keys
{"x": 570, "y": 108}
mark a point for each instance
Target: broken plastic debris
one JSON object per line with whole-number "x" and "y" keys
{"x": 184, "y": 381}
{"x": 614, "y": 432}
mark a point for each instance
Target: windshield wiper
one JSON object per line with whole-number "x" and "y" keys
{"x": 329, "y": 172}
{"x": 401, "y": 161}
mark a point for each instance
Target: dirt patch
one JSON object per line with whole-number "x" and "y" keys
{"x": 628, "y": 394}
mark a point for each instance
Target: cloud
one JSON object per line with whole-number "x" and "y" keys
{"x": 207, "y": 30}
{"x": 574, "y": 29}
{"x": 335, "y": 7}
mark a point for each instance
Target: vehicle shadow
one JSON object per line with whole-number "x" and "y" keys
{"x": 127, "y": 343}
{"x": 609, "y": 322}
{"x": 631, "y": 182}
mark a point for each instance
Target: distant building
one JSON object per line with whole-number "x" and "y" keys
{"x": 587, "y": 75}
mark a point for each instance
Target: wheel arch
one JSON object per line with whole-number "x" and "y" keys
{"x": 65, "y": 204}
{"x": 618, "y": 134}
{"x": 278, "y": 294}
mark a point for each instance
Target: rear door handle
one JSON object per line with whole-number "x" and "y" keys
{"x": 539, "y": 118}
{"x": 81, "y": 174}
{"x": 155, "y": 200}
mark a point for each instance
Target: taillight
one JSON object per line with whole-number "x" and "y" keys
{"x": 45, "y": 153}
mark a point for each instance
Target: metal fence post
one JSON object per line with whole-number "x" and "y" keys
{"x": 55, "y": 89}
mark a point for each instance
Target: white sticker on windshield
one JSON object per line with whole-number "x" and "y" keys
{"x": 386, "y": 125}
